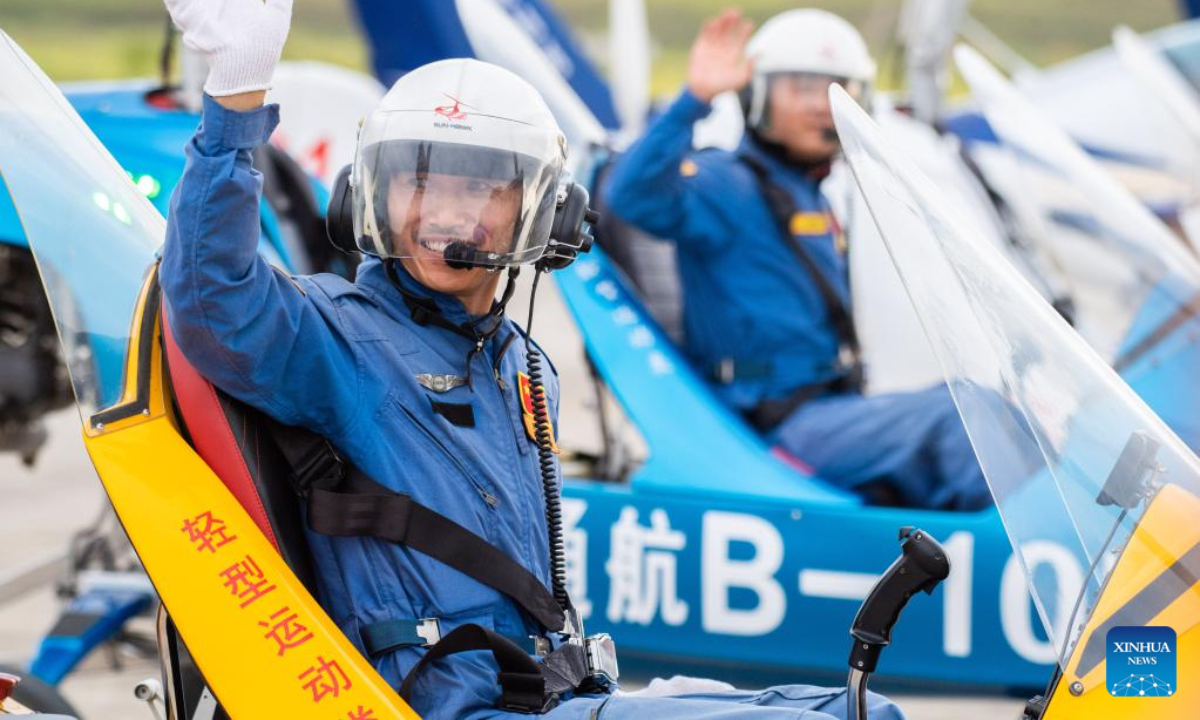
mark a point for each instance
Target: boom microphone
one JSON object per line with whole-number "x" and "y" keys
{"x": 463, "y": 256}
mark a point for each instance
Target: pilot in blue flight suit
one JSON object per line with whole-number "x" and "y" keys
{"x": 763, "y": 265}
{"x": 410, "y": 371}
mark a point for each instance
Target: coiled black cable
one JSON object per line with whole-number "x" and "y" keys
{"x": 546, "y": 462}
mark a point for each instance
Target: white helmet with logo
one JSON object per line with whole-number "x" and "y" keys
{"x": 807, "y": 41}
{"x": 465, "y": 130}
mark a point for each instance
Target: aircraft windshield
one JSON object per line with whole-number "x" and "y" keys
{"x": 92, "y": 233}
{"x": 1133, "y": 279}
{"x": 1163, "y": 81}
{"x": 1053, "y": 426}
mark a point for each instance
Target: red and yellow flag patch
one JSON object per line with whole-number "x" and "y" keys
{"x": 528, "y": 414}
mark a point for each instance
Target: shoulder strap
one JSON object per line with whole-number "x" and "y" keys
{"x": 343, "y": 501}
{"x": 783, "y": 208}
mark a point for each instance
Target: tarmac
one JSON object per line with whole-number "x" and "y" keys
{"x": 41, "y": 508}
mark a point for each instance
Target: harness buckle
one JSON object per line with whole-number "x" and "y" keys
{"x": 541, "y": 645}
{"x": 850, "y": 367}
{"x": 429, "y": 630}
{"x": 603, "y": 671}
{"x": 726, "y": 372}
{"x": 847, "y": 357}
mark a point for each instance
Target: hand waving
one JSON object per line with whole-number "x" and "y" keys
{"x": 718, "y": 60}
{"x": 241, "y": 40}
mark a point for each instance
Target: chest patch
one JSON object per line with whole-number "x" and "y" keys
{"x": 811, "y": 223}
{"x": 440, "y": 383}
{"x": 528, "y": 415}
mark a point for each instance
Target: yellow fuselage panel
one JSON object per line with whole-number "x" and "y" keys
{"x": 266, "y": 648}
{"x": 1167, "y": 532}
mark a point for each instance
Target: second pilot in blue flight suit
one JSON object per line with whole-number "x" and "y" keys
{"x": 763, "y": 263}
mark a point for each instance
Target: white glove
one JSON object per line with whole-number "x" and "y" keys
{"x": 240, "y": 39}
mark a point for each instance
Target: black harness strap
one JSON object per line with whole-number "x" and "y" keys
{"x": 345, "y": 502}
{"x": 526, "y": 686}
{"x": 522, "y": 685}
{"x": 783, "y": 208}
{"x": 768, "y": 414}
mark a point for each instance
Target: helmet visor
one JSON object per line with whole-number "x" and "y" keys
{"x": 431, "y": 200}
{"x": 814, "y": 87}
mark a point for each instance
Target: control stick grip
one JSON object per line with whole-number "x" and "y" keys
{"x": 922, "y": 565}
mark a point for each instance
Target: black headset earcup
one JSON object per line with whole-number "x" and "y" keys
{"x": 568, "y": 235}
{"x": 339, "y": 217}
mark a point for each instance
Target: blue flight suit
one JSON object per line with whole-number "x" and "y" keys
{"x": 341, "y": 359}
{"x": 756, "y": 325}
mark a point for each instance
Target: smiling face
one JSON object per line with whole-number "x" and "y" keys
{"x": 429, "y": 212}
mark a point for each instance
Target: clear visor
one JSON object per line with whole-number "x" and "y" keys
{"x": 433, "y": 200}
{"x": 814, "y": 87}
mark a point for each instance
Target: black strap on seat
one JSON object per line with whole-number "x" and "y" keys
{"x": 729, "y": 369}
{"x": 522, "y": 685}
{"x": 768, "y": 414}
{"x": 783, "y": 208}
{"x": 343, "y": 501}
{"x": 526, "y": 685}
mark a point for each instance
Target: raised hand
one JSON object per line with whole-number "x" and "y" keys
{"x": 718, "y": 59}
{"x": 240, "y": 39}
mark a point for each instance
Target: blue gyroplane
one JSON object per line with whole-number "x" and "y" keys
{"x": 714, "y": 549}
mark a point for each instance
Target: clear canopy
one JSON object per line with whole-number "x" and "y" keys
{"x": 1163, "y": 82}
{"x": 1128, "y": 272}
{"x": 1068, "y": 449}
{"x": 93, "y": 234}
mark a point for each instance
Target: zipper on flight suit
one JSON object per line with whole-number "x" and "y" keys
{"x": 520, "y": 444}
{"x": 492, "y": 501}
{"x": 517, "y": 430}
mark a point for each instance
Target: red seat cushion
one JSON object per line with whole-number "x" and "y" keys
{"x": 207, "y": 415}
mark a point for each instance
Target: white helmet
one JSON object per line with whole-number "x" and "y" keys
{"x": 807, "y": 41}
{"x": 469, "y": 131}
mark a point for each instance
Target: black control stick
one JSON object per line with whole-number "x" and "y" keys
{"x": 922, "y": 565}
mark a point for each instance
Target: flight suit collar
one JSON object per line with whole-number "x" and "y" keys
{"x": 775, "y": 158}
{"x": 373, "y": 276}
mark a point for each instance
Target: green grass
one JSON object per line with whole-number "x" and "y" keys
{"x": 1044, "y": 31}
{"x": 97, "y": 39}
{"x": 93, "y": 39}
